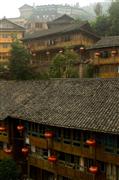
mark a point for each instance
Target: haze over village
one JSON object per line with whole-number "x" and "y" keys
{"x": 59, "y": 90}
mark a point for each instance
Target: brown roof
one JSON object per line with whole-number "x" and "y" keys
{"x": 87, "y": 104}
{"x": 8, "y": 25}
{"x": 61, "y": 30}
{"x": 105, "y": 42}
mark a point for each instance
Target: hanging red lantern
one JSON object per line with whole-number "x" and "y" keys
{"x": 25, "y": 151}
{"x": 2, "y": 129}
{"x": 8, "y": 150}
{"x": 48, "y": 134}
{"x": 97, "y": 54}
{"x": 91, "y": 142}
{"x": 114, "y": 52}
{"x": 20, "y": 128}
{"x": 52, "y": 158}
{"x": 82, "y": 49}
{"x": 93, "y": 169}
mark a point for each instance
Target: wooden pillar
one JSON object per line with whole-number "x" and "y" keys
{"x": 81, "y": 164}
{"x": 81, "y": 70}
{"x": 28, "y": 170}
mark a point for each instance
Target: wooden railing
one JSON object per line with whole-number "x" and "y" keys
{"x": 6, "y": 40}
{"x": 62, "y": 44}
{"x": 3, "y": 154}
{"x": 3, "y": 138}
{"x": 5, "y": 50}
{"x": 100, "y": 153}
{"x": 108, "y": 75}
{"x": 59, "y": 169}
{"x": 102, "y": 61}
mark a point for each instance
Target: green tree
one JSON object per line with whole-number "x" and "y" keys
{"x": 90, "y": 70}
{"x": 63, "y": 65}
{"x": 101, "y": 25}
{"x": 8, "y": 169}
{"x": 114, "y": 18}
{"x": 19, "y": 63}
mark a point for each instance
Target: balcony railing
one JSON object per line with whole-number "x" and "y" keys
{"x": 102, "y": 61}
{"x": 6, "y": 40}
{"x": 61, "y": 44}
{"x": 59, "y": 169}
{"x": 100, "y": 152}
{"x": 3, "y": 137}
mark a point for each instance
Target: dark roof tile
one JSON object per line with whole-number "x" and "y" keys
{"x": 87, "y": 104}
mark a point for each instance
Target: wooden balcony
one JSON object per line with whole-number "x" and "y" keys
{"x": 5, "y": 50}
{"x": 3, "y": 138}
{"x": 6, "y": 40}
{"x": 3, "y": 155}
{"x": 61, "y": 44}
{"x": 100, "y": 153}
{"x": 108, "y": 75}
{"x": 102, "y": 61}
{"x": 59, "y": 169}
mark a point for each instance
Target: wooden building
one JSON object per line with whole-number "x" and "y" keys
{"x": 9, "y": 32}
{"x": 105, "y": 57}
{"x": 62, "y": 33}
{"x": 61, "y": 129}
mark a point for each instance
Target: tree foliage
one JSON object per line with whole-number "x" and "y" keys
{"x": 90, "y": 70}
{"x": 8, "y": 169}
{"x": 108, "y": 24}
{"x": 101, "y": 25}
{"x": 114, "y": 18}
{"x": 63, "y": 65}
{"x": 19, "y": 62}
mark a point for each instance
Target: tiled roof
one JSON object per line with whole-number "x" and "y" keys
{"x": 60, "y": 30}
{"x": 105, "y": 42}
{"x": 87, "y": 104}
{"x": 6, "y": 25}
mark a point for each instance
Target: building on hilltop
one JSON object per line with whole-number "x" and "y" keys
{"x": 105, "y": 57}
{"x": 62, "y": 128}
{"x": 9, "y": 31}
{"x": 31, "y": 15}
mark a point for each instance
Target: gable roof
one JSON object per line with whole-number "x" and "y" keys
{"x": 86, "y": 104}
{"x": 60, "y": 30}
{"x": 105, "y": 42}
{"x": 63, "y": 19}
{"x": 8, "y": 25}
{"x": 25, "y": 6}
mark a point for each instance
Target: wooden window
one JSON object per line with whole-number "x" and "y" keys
{"x": 86, "y": 136}
{"x": 109, "y": 143}
{"x": 1, "y": 145}
{"x": 67, "y": 136}
{"x": 104, "y": 54}
{"x": 76, "y": 137}
{"x": 67, "y": 38}
{"x": 57, "y": 134}
{"x": 42, "y": 129}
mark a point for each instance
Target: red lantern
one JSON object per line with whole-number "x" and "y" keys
{"x": 8, "y": 150}
{"x": 48, "y": 134}
{"x": 91, "y": 142}
{"x": 20, "y": 128}
{"x": 114, "y": 52}
{"x": 25, "y": 151}
{"x": 2, "y": 129}
{"x": 82, "y": 49}
{"x": 97, "y": 54}
{"x": 52, "y": 158}
{"x": 93, "y": 169}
